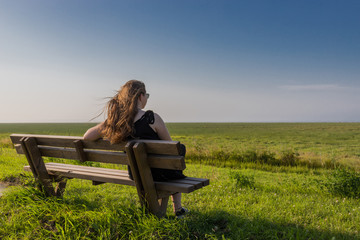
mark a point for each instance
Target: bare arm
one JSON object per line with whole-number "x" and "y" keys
{"x": 93, "y": 133}
{"x": 161, "y": 129}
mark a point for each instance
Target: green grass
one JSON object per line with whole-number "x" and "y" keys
{"x": 316, "y": 145}
{"x": 250, "y": 200}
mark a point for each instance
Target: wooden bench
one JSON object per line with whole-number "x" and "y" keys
{"x": 140, "y": 155}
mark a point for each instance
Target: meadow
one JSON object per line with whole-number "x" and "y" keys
{"x": 267, "y": 181}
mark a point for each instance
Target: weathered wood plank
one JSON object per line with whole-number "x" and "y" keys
{"x": 28, "y": 158}
{"x": 197, "y": 185}
{"x": 38, "y": 164}
{"x": 135, "y": 173}
{"x": 166, "y": 161}
{"x": 91, "y": 155}
{"x": 146, "y": 178}
{"x": 180, "y": 185}
{"x": 204, "y": 181}
{"x": 68, "y": 141}
{"x": 152, "y": 146}
{"x": 97, "y": 177}
{"x": 58, "y": 152}
{"x": 161, "y": 146}
{"x": 176, "y": 187}
{"x": 121, "y": 178}
{"x": 155, "y": 160}
{"x": 109, "y": 171}
{"x": 90, "y": 169}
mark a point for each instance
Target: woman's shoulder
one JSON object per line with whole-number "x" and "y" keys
{"x": 151, "y": 117}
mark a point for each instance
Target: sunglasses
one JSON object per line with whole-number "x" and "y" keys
{"x": 147, "y": 95}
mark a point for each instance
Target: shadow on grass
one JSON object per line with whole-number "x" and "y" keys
{"x": 222, "y": 224}
{"x": 122, "y": 219}
{"x": 219, "y": 224}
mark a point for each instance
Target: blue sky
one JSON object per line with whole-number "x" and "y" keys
{"x": 202, "y": 60}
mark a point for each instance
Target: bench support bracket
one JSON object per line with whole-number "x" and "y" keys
{"x": 80, "y": 150}
{"x": 37, "y": 165}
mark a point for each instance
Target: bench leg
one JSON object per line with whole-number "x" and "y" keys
{"x": 60, "y": 187}
{"x": 163, "y": 202}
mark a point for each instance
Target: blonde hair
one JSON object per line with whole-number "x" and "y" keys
{"x": 121, "y": 111}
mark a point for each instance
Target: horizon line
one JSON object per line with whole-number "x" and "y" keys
{"x": 193, "y": 122}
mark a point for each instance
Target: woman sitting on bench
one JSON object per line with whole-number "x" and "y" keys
{"x": 127, "y": 120}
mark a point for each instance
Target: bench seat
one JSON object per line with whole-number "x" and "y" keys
{"x": 107, "y": 175}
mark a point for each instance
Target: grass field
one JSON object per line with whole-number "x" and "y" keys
{"x": 268, "y": 181}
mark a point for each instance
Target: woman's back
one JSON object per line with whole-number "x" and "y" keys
{"x": 142, "y": 128}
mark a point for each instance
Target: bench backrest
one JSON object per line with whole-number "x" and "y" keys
{"x": 160, "y": 154}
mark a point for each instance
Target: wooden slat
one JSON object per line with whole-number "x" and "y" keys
{"x": 112, "y": 178}
{"x": 161, "y": 146}
{"x": 58, "y": 152}
{"x": 197, "y": 185}
{"x": 122, "y": 173}
{"x": 181, "y": 185}
{"x": 94, "y": 177}
{"x": 98, "y": 177}
{"x": 91, "y": 155}
{"x": 166, "y": 162}
{"x": 152, "y": 146}
{"x": 204, "y": 181}
{"x": 68, "y": 141}
{"x": 176, "y": 187}
{"x": 109, "y": 171}
{"x": 85, "y": 169}
{"x": 155, "y": 161}
{"x": 15, "y": 137}
{"x": 107, "y": 157}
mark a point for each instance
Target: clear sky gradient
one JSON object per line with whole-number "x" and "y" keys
{"x": 202, "y": 61}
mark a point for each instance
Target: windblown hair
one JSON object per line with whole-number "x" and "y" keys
{"x": 121, "y": 111}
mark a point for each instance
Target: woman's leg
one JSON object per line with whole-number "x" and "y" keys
{"x": 176, "y": 198}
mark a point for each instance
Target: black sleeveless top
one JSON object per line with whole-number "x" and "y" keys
{"x": 142, "y": 130}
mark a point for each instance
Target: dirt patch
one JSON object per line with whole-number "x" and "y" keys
{"x": 3, "y": 186}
